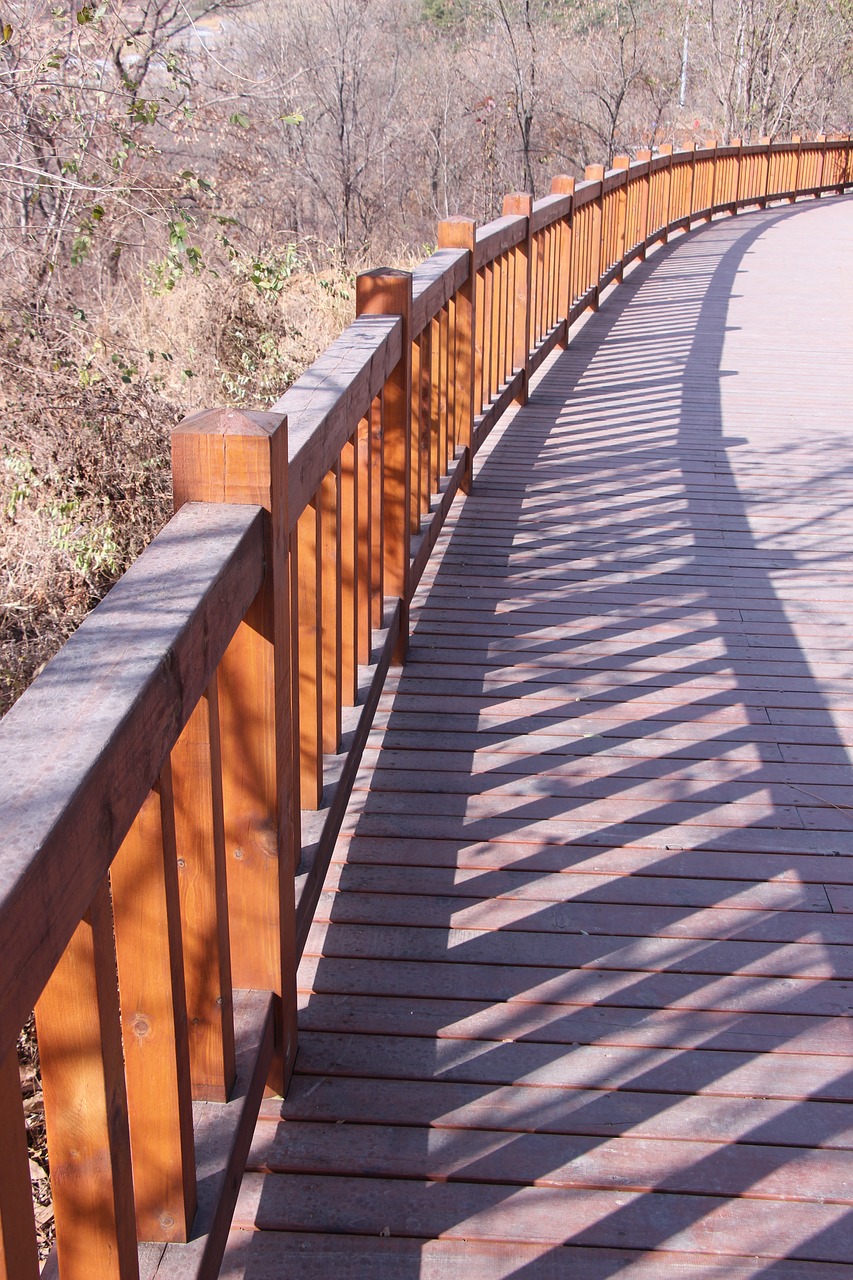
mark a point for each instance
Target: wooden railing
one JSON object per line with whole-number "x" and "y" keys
{"x": 174, "y": 780}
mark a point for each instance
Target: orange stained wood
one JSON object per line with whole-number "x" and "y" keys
{"x": 147, "y": 922}
{"x": 241, "y": 457}
{"x": 85, "y": 1103}
{"x": 577, "y": 997}
{"x": 18, "y": 1253}
{"x": 196, "y": 768}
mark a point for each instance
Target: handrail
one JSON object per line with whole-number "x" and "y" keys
{"x": 175, "y": 779}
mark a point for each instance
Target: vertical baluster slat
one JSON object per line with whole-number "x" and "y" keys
{"x": 78, "y": 1025}
{"x": 147, "y": 916}
{"x": 330, "y": 607}
{"x": 18, "y": 1251}
{"x": 351, "y": 586}
{"x": 200, "y": 840}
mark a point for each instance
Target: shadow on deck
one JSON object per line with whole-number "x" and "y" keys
{"x": 578, "y": 997}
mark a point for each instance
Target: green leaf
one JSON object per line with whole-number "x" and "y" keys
{"x": 7, "y": 33}
{"x": 240, "y": 119}
{"x": 295, "y": 117}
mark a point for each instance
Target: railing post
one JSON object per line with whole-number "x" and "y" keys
{"x": 645, "y": 157}
{"x": 18, "y": 1252}
{"x": 389, "y": 292}
{"x": 520, "y": 204}
{"x": 461, "y": 233}
{"x": 85, "y": 1103}
{"x": 563, "y": 185}
{"x": 237, "y": 456}
{"x": 624, "y": 164}
{"x": 595, "y": 173}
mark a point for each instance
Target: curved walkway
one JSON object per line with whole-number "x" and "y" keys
{"x": 578, "y": 1001}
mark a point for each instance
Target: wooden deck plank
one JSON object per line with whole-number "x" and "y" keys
{"x": 578, "y": 998}
{"x": 260, "y": 1256}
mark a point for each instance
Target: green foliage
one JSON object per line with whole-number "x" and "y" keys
{"x": 445, "y": 14}
{"x": 180, "y": 257}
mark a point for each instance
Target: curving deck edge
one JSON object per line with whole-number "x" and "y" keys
{"x": 578, "y": 997}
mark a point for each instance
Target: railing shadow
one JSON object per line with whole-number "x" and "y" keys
{"x": 551, "y": 1046}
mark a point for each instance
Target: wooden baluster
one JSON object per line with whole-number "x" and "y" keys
{"x": 147, "y": 922}
{"x": 505, "y": 319}
{"x": 553, "y": 274}
{"x": 309, "y": 597}
{"x": 736, "y": 142}
{"x": 623, "y": 163}
{"x": 488, "y": 335}
{"x": 712, "y": 195}
{"x": 442, "y": 394}
{"x": 819, "y": 164}
{"x": 645, "y": 157}
{"x": 364, "y": 598}
{"x": 595, "y": 173}
{"x": 386, "y": 292}
{"x": 480, "y": 316}
{"x": 538, "y": 298}
{"x": 349, "y": 575}
{"x": 563, "y": 185}
{"x": 237, "y": 456}
{"x": 18, "y": 1251}
{"x": 541, "y": 246}
{"x": 764, "y": 173}
{"x": 461, "y": 233}
{"x": 196, "y": 767}
{"x": 665, "y": 149}
{"x": 795, "y": 185}
{"x": 78, "y": 1024}
{"x": 495, "y": 327}
{"x": 376, "y": 533}
{"x": 330, "y": 610}
{"x": 416, "y": 413}
{"x": 435, "y": 405}
{"x": 520, "y": 204}
{"x": 508, "y": 266}
{"x": 451, "y": 382}
{"x": 425, "y": 395}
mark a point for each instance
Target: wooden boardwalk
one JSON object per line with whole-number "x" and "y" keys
{"x": 577, "y": 1002}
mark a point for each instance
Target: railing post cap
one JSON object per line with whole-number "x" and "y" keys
{"x": 457, "y": 232}
{"x": 384, "y": 291}
{"x": 230, "y": 422}
{"x": 518, "y": 202}
{"x": 562, "y": 185}
{"x": 380, "y": 273}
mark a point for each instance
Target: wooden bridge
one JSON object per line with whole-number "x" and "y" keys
{"x": 571, "y": 888}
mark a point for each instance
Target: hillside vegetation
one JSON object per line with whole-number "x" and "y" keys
{"x": 186, "y": 194}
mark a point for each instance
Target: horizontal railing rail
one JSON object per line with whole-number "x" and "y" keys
{"x": 175, "y": 779}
